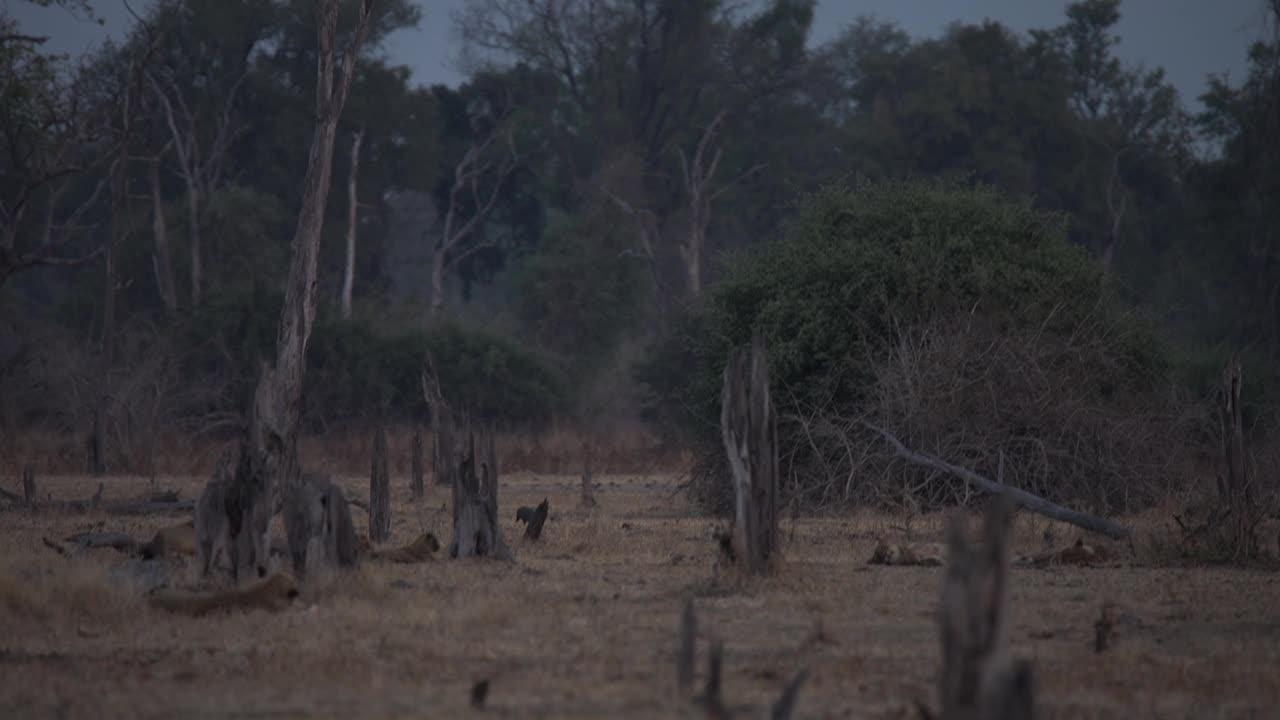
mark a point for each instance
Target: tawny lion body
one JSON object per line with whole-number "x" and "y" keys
{"x": 273, "y": 595}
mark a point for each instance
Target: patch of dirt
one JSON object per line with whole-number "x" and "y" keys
{"x": 585, "y": 624}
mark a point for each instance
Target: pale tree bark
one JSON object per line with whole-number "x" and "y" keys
{"x": 353, "y": 210}
{"x": 699, "y": 174}
{"x": 162, "y": 260}
{"x": 1117, "y": 203}
{"x": 275, "y": 413}
{"x": 461, "y": 237}
{"x": 200, "y": 167}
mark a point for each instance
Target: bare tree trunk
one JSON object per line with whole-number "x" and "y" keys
{"x": 349, "y": 273}
{"x": 379, "y": 490}
{"x": 475, "y": 503}
{"x": 193, "y": 231}
{"x": 276, "y": 408}
{"x": 436, "y": 301}
{"x": 416, "y": 486}
{"x": 163, "y": 259}
{"x": 979, "y": 678}
{"x": 445, "y": 452}
{"x": 1237, "y": 513}
{"x": 1116, "y": 204}
{"x": 750, "y": 430}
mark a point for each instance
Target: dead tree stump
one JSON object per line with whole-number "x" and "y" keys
{"x": 29, "y": 486}
{"x": 750, "y": 430}
{"x": 475, "y": 503}
{"x": 1237, "y": 516}
{"x": 379, "y": 490}
{"x": 979, "y": 678}
{"x": 416, "y": 487}
{"x": 588, "y": 497}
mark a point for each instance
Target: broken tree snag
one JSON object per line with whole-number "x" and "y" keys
{"x": 475, "y": 503}
{"x": 686, "y": 655}
{"x": 445, "y": 447}
{"x": 1034, "y": 503}
{"x": 979, "y": 679}
{"x": 416, "y": 487}
{"x": 750, "y": 429}
{"x": 379, "y": 490}
{"x": 588, "y": 497}
{"x": 1237, "y": 514}
{"x": 29, "y": 486}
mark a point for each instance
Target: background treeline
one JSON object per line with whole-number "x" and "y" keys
{"x": 1012, "y": 250}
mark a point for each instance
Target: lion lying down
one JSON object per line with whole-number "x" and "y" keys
{"x": 933, "y": 554}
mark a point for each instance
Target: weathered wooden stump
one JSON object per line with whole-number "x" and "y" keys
{"x": 979, "y": 678}
{"x": 29, "y": 486}
{"x": 379, "y": 489}
{"x": 475, "y": 503}
{"x": 750, "y": 429}
{"x": 1237, "y": 517}
{"x": 416, "y": 470}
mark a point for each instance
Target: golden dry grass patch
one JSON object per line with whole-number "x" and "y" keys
{"x": 584, "y": 623}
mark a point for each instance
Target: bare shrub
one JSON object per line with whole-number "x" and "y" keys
{"x": 1059, "y": 415}
{"x": 1051, "y": 414}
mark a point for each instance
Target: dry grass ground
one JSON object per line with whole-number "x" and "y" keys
{"x": 585, "y": 624}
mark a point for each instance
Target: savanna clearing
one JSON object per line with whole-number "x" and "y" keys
{"x": 585, "y": 623}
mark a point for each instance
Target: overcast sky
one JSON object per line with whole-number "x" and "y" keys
{"x": 1191, "y": 39}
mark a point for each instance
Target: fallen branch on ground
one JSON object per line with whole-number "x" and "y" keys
{"x": 1021, "y": 497}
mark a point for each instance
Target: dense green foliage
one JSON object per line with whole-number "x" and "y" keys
{"x": 859, "y": 264}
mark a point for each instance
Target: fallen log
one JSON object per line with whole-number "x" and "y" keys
{"x": 1022, "y": 498}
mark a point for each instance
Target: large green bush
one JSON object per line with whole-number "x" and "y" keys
{"x": 860, "y": 264}
{"x": 358, "y": 370}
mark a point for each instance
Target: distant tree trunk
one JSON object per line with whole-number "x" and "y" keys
{"x": 436, "y": 301}
{"x": 193, "y": 233}
{"x": 475, "y": 503}
{"x": 979, "y": 679}
{"x": 750, "y": 431}
{"x": 444, "y": 432}
{"x": 379, "y": 490}
{"x": 416, "y": 485}
{"x": 276, "y": 408}
{"x": 163, "y": 259}
{"x": 349, "y": 273}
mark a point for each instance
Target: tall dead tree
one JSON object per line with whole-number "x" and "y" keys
{"x": 200, "y": 163}
{"x": 162, "y": 260}
{"x": 979, "y": 678}
{"x": 475, "y": 503}
{"x": 416, "y": 486}
{"x": 353, "y": 211}
{"x": 699, "y": 175}
{"x": 379, "y": 489}
{"x": 490, "y": 161}
{"x": 275, "y": 411}
{"x": 750, "y": 429}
